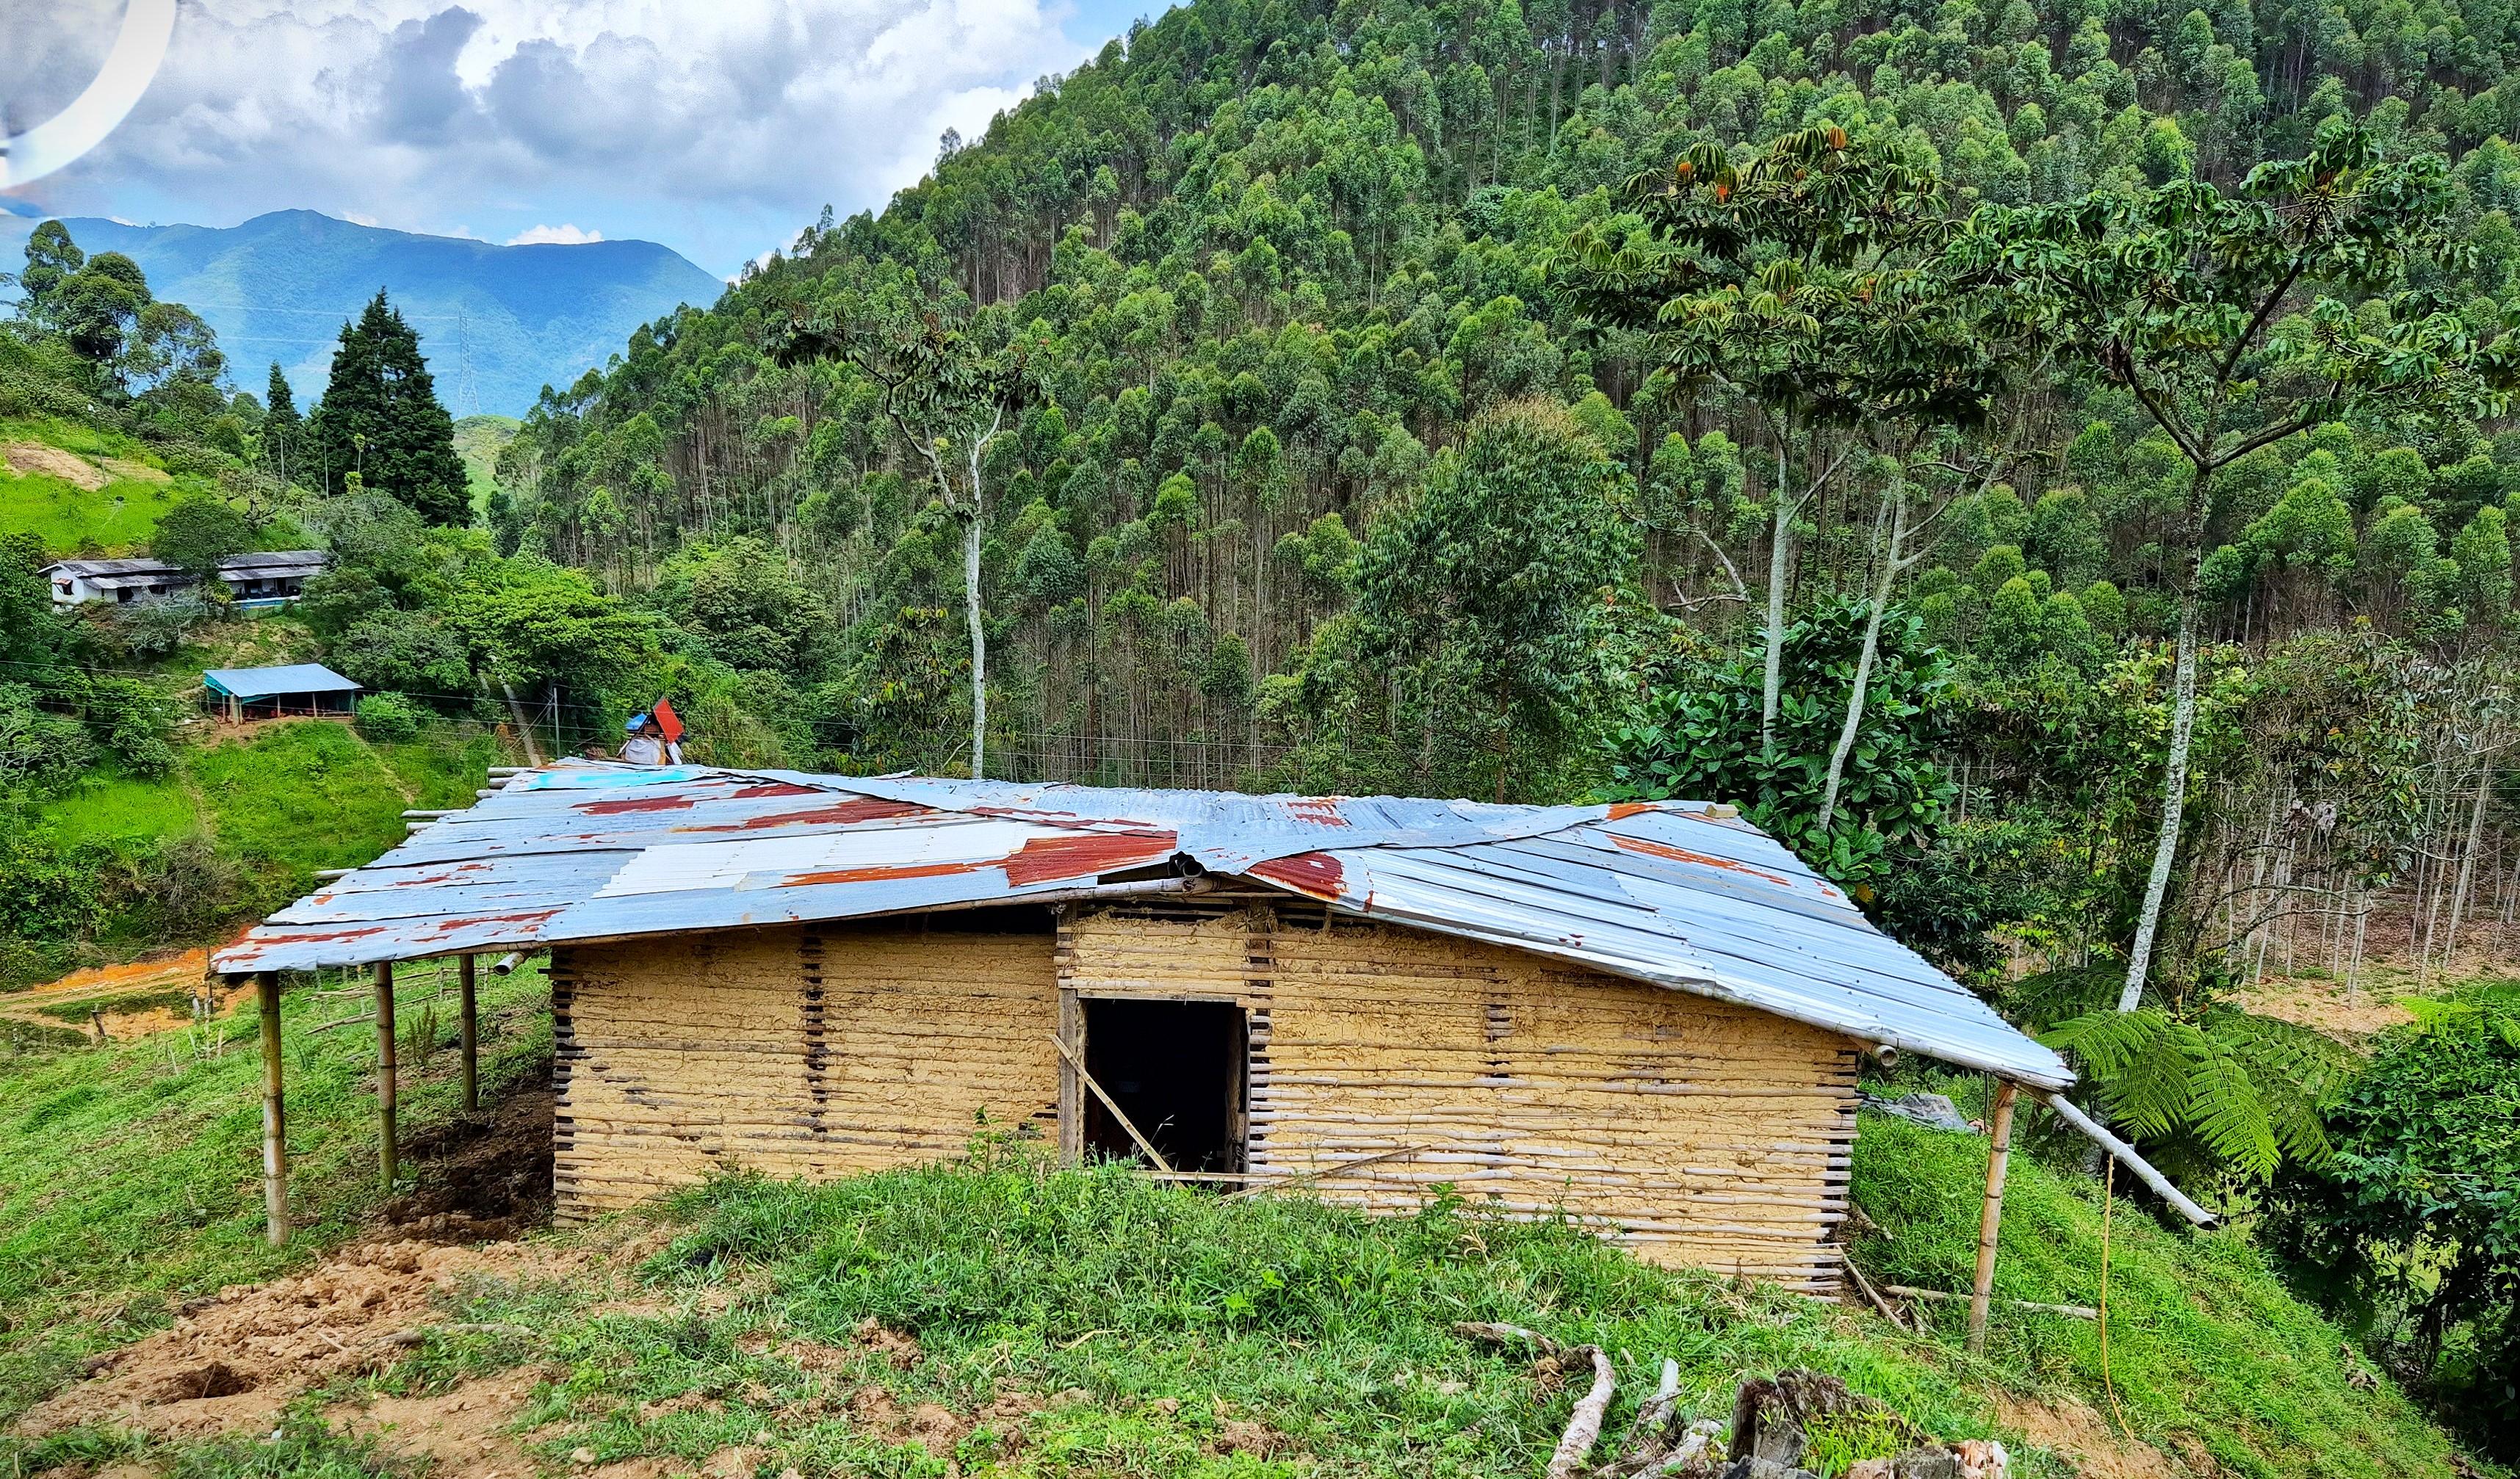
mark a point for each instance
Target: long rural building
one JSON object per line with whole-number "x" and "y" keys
{"x": 1647, "y": 1016}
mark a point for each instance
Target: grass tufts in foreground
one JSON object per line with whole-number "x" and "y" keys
{"x": 1168, "y": 1312}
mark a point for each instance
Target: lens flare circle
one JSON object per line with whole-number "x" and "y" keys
{"x": 129, "y": 68}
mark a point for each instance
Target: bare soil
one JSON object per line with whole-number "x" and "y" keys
{"x": 2084, "y": 1435}
{"x": 29, "y": 458}
{"x": 232, "y": 1362}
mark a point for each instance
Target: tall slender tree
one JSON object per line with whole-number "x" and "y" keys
{"x": 952, "y": 382}
{"x": 1799, "y": 283}
{"x": 2233, "y": 318}
{"x": 282, "y": 426}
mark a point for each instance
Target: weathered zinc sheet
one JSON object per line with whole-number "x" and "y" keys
{"x": 1671, "y": 893}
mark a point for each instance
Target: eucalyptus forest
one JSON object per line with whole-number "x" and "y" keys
{"x": 2051, "y": 464}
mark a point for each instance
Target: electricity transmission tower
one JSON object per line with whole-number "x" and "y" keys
{"x": 467, "y": 392}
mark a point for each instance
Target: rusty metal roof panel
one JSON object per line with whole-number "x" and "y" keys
{"x": 1676, "y": 894}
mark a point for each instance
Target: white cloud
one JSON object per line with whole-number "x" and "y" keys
{"x": 713, "y": 126}
{"x": 564, "y": 236}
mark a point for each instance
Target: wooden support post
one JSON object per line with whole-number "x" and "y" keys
{"x": 471, "y": 1035}
{"x": 1991, "y": 1220}
{"x": 275, "y": 1115}
{"x": 385, "y": 1074}
{"x": 1072, "y": 1092}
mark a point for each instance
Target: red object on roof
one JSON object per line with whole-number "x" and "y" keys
{"x": 669, "y": 721}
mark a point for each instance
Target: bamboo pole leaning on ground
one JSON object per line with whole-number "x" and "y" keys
{"x": 471, "y": 1035}
{"x": 1990, "y": 1219}
{"x": 385, "y": 1074}
{"x": 275, "y": 1118}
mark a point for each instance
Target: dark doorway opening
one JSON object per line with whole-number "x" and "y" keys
{"x": 1176, "y": 1070}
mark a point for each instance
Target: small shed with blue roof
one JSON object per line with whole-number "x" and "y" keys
{"x": 272, "y": 692}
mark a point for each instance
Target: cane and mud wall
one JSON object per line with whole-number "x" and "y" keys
{"x": 1692, "y": 1130}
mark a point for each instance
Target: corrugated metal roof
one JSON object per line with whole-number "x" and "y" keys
{"x": 264, "y": 683}
{"x": 1674, "y": 893}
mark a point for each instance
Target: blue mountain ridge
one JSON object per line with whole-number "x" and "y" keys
{"x": 279, "y": 288}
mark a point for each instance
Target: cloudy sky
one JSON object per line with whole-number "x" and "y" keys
{"x": 718, "y": 127}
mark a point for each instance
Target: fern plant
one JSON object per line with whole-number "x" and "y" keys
{"x": 2249, "y": 1088}
{"x": 2494, "y": 1006}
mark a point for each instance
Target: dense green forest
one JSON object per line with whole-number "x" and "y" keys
{"x": 1929, "y": 427}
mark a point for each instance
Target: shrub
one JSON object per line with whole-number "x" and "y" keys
{"x": 389, "y": 717}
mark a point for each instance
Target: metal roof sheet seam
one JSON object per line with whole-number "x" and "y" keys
{"x": 1673, "y": 894}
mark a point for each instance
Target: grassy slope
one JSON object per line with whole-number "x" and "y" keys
{"x": 299, "y": 796}
{"x": 478, "y": 441}
{"x": 2207, "y": 1352}
{"x": 130, "y": 1172}
{"x": 1331, "y": 1328}
{"x": 116, "y": 517}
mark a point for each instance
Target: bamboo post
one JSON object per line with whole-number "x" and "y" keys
{"x": 472, "y": 1036}
{"x": 1991, "y": 1220}
{"x": 385, "y": 1074}
{"x": 275, "y": 1115}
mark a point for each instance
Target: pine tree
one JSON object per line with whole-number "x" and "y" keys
{"x": 380, "y": 418}
{"x": 282, "y": 426}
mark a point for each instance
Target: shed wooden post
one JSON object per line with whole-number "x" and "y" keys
{"x": 385, "y": 1074}
{"x": 1998, "y": 1153}
{"x": 472, "y": 1039}
{"x": 275, "y": 1115}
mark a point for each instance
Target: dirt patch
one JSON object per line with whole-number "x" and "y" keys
{"x": 482, "y": 1177}
{"x": 466, "y": 1433}
{"x": 27, "y": 459}
{"x": 136, "y": 471}
{"x": 234, "y": 1360}
{"x": 2323, "y": 1007}
{"x": 2075, "y": 1429}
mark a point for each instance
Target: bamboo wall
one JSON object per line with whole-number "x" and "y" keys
{"x": 795, "y": 1051}
{"x": 1693, "y": 1131}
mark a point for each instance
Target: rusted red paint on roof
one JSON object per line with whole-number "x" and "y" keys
{"x": 1078, "y": 855}
{"x": 882, "y": 875}
{"x": 1323, "y": 810}
{"x": 1318, "y": 875}
{"x": 838, "y": 813}
{"x": 1620, "y": 811}
{"x": 619, "y": 805}
{"x": 1654, "y": 849}
{"x": 768, "y": 788}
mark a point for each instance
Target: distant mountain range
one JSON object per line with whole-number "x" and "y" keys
{"x": 496, "y": 323}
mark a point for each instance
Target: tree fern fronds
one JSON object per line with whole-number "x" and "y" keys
{"x": 2227, "y": 1111}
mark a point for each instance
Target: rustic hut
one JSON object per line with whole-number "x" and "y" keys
{"x": 238, "y": 694}
{"x": 1648, "y": 1016}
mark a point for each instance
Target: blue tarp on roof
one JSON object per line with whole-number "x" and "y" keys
{"x": 273, "y": 682}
